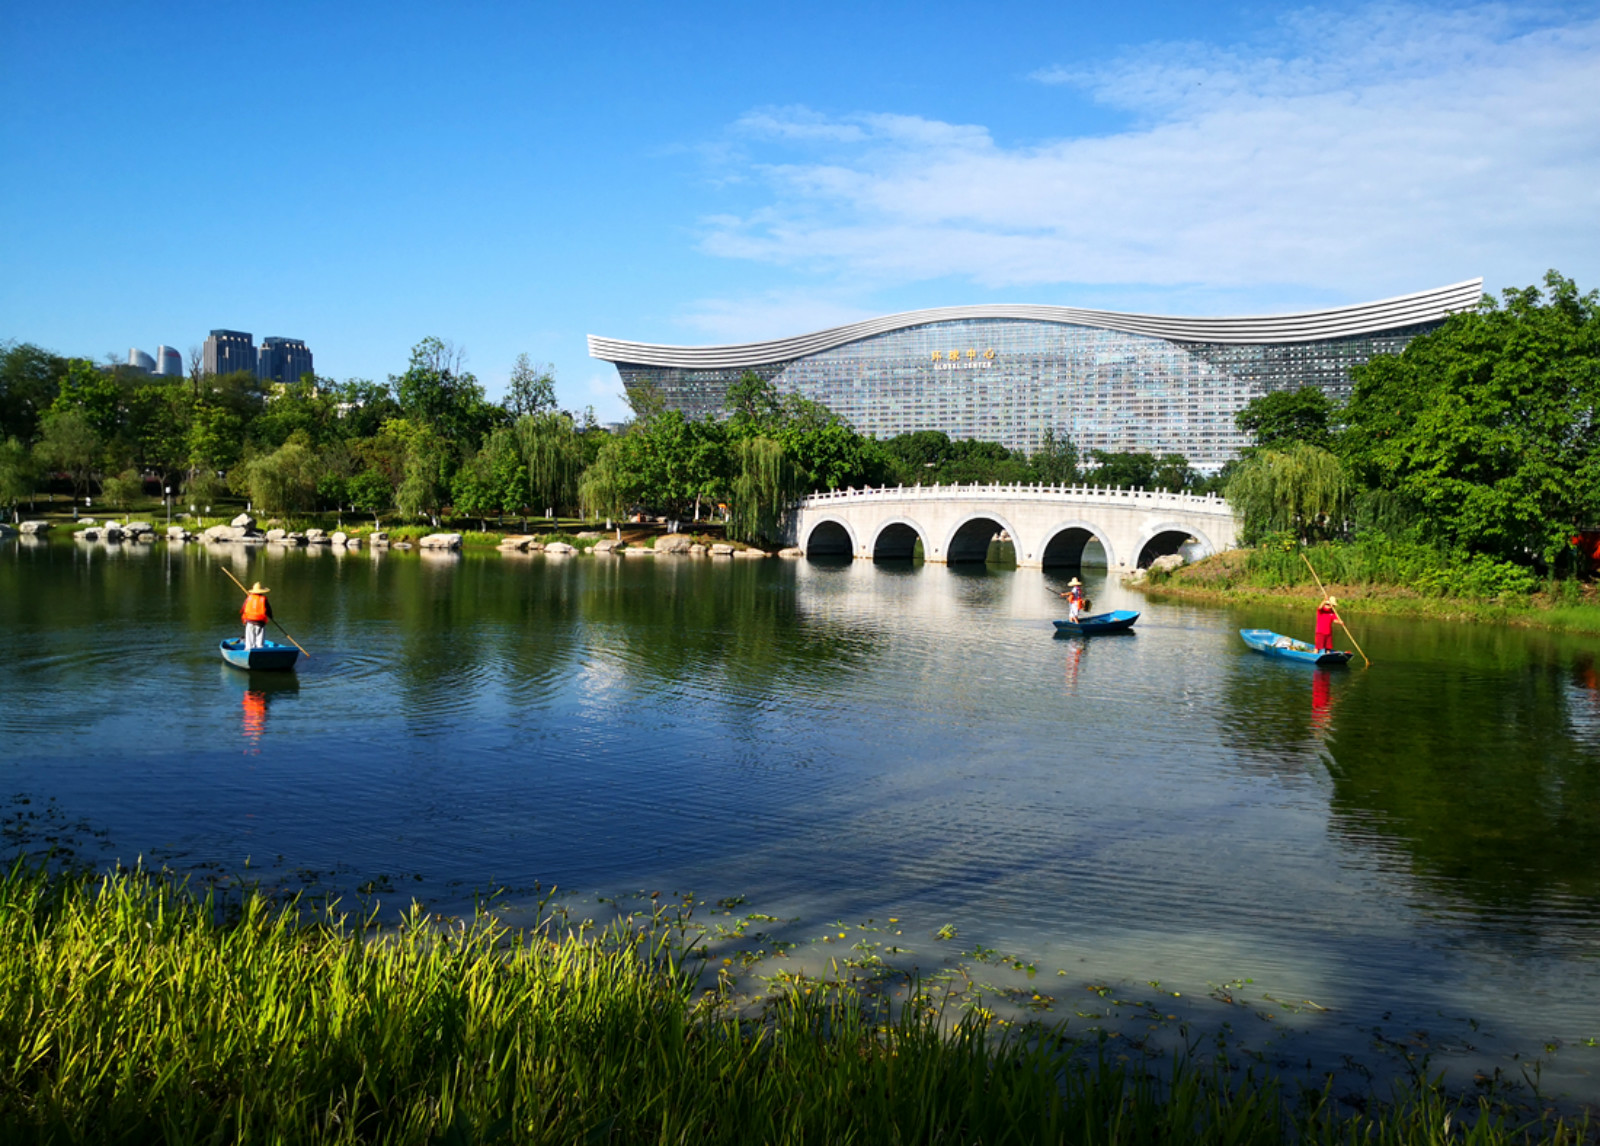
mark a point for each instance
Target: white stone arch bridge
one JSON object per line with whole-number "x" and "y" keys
{"x": 1047, "y": 525}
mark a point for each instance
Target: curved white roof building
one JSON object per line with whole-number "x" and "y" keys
{"x": 1005, "y": 372}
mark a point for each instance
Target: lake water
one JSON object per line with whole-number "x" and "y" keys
{"x": 1403, "y": 862}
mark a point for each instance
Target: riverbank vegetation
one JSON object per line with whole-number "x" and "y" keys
{"x": 429, "y": 446}
{"x": 1466, "y": 467}
{"x": 243, "y": 1019}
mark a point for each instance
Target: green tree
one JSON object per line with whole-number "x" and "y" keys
{"x": 93, "y": 393}
{"x": 120, "y": 491}
{"x": 16, "y": 474}
{"x": 437, "y": 393}
{"x": 30, "y": 379}
{"x": 1300, "y": 489}
{"x": 532, "y": 389}
{"x": 285, "y": 481}
{"x": 70, "y": 445}
{"x": 604, "y": 490}
{"x": 429, "y": 462}
{"x": 1489, "y": 427}
{"x": 551, "y": 459}
{"x": 1284, "y": 417}
{"x": 765, "y": 483}
{"x": 1055, "y": 462}
{"x": 1134, "y": 470}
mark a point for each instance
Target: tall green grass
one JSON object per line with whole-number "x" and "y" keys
{"x": 131, "y": 1012}
{"x": 1374, "y": 561}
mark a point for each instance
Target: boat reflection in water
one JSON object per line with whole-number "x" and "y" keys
{"x": 261, "y": 691}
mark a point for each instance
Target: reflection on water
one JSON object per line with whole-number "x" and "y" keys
{"x": 847, "y": 741}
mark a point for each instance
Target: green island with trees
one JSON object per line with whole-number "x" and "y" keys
{"x": 1462, "y": 477}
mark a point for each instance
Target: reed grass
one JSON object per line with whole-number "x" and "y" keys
{"x": 132, "y": 1011}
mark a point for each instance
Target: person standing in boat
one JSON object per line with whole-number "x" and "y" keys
{"x": 256, "y": 613}
{"x": 1326, "y": 613}
{"x": 1075, "y": 599}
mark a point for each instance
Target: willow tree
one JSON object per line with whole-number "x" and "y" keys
{"x": 552, "y": 455}
{"x": 603, "y": 489}
{"x": 1302, "y": 489}
{"x": 765, "y": 483}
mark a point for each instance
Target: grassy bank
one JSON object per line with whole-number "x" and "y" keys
{"x": 1386, "y": 578}
{"x": 133, "y": 1012}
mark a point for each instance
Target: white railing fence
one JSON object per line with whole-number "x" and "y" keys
{"x": 1018, "y": 491}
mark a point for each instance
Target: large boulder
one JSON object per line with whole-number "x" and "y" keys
{"x": 751, "y": 553}
{"x": 378, "y": 537}
{"x": 637, "y": 551}
{"x": 243, "y": 521}
{"x": 792, "y": 551}
{"x": 608, "y": 545}
{"x": 277, "y": 535}
{"x": 1168, "y": 563}
{"x": 32, "y": 527}
{"x": 722, "y": 549}
{"x": 561, "y": 547}
{"x": 316, "y": 537}
{"x": 90, "y": 534}
{"x": 515, "y": 542}
{"x": 674, "y": 543}
{"x": 352, "y": 543}
{"x": 138, "y": 527}
{"x": 339, "y": 537}
{"x": 441, "y": 541}
{"x": 697, "y": 550}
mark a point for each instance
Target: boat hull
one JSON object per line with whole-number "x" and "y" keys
{"x": 1287, "y": 648}
{"x": 1119, "y": 621}
{"x": 270, "y": 657}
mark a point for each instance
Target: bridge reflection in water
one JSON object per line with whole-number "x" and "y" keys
{"x": 1043, "y": 525}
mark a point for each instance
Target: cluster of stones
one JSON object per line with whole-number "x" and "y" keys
{"x": 672, "y": 543}
{"x": 1165, "y": 564}
{"x": 112, "y": 532}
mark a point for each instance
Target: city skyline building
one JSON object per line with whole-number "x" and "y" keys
{"x": 283, "y": 359}
{"x": 139, "y": 360}
{"x": 1009, "y": 373}
{"x": 169, "y": 363}
{"x": 228, "y": 352}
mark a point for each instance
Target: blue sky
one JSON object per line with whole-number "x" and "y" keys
{"x": 514, "y": 176}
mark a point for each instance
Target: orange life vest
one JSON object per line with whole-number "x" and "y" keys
{"x": 255, "y": 608}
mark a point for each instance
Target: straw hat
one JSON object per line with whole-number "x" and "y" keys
{"x": 1331, "y": 600}
{"x": 257, "y": 588}
{"x": 1073, "y": 582}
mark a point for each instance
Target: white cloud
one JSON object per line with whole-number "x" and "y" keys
{"x": 1370, "y": 152}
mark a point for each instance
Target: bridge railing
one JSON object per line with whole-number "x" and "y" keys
{"x": 1021, "y": 491}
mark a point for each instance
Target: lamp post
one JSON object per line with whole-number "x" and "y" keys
{"x": 167, "y": 497}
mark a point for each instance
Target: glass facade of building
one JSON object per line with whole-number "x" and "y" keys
{"x": 1010, "y": 380}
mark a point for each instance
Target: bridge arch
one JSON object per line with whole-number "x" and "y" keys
{"x": 896, "y": 540}
{"x": 1064, "y": 544}
{"x": 1160, "y": 539}
{"x": 829, "y": 537}
{"x": 969, "y": 539}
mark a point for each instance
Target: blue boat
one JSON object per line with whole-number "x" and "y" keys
{"x": 1278, "y": 645}
{"x": 270, "y": 656}
{"x": 1118, "y": 621}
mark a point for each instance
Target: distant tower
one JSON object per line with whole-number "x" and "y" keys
{"x": 139, "y": 360}
{"x": 169, "y": 363}
{"x": 229, "y": 351}
{"x": 283, "y": 359}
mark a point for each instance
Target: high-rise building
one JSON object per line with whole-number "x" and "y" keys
{"x": 169, "y": 363}
{"x": 283, "y": 359}
{"x": 229, "y": 351}
{"x": 1009, "y": 373}
{"x": 139, "y": 360}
